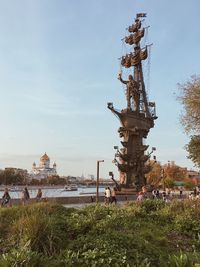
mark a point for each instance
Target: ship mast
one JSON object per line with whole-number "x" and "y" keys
{"x": 139, "y": 115}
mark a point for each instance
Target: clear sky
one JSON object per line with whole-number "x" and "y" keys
{"x": 59, "y": 67}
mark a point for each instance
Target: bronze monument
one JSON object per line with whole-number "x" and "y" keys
{"x": 139, "y": 115}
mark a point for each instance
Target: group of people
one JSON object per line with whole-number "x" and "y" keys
{"x": 167, "y": 194}
{"x": 110, "y": 195}
{"x": 25, "y": 196}
{"x": 155, "y": 194}
{"x": 195, "y": 194}
{"x": 164, "y": 195}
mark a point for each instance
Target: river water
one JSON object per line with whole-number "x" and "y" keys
{"x": 54, "y": 192}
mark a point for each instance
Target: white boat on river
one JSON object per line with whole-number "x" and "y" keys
{"x": 71, "y": 187}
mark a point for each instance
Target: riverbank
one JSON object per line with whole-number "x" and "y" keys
{"x": 83, "y": 199}
{"x": 57, "y": 194}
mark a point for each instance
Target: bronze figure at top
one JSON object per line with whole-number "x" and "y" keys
{"x": 138, "y": 116}
{"x": 132, "y": 91}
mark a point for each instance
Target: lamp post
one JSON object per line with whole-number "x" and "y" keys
{"x": 97, "y": 184}
{"x": 163, "y": 177}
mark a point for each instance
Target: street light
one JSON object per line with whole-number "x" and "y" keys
{"x": 97, "y": 184}
{"x": 111, "y": 174}
{"x": 163, "y": 178}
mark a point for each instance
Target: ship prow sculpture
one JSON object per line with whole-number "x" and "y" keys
{"x": 138, "y": 116}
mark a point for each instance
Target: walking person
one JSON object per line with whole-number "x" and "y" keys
{"x": 168, "y": 192}
{"x": 157, "y": 194}
{"x": 6, "y": 199}
{"x": 25, "y": 196}
{"x": 107, "y": 195}
{"x": 181, "y": 192}
{"x": 113, "y": 195}
{"x": 140, "y": 196}
{"x": 39, "y": 195}
{"x": 153, "y": 194}
{"x": 164, "y": 195}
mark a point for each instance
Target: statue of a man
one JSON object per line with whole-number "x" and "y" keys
{"x": 132, "y": 90}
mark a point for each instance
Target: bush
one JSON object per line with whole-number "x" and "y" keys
{"x": 184, "y": 260}
{"x": 151, "y": 205}
{"x": 137, "y": 234}
{"x": 22, "y": 258}
{"x": 41, "y": 226}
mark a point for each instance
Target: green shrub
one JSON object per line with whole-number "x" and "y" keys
{"x": 41, "y": 226}
{"x": 151, "y": 205}
{"x": 22, "y": 258}
{"x": 187, "y": 224}
{"x": 137, "y": 234}
{"x": 184, "y": 260}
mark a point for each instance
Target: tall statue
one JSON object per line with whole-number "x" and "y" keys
{"x": 138, "y": 116}
{"x": 132, "y": 91}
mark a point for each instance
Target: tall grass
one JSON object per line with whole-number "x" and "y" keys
{"x": 152, "y": 234}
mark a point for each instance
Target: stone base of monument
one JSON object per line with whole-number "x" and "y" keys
{"x": 127, "y": 191}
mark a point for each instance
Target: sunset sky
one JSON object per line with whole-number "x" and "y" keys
{"x": 58, "y": 69}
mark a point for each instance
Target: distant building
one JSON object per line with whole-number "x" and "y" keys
{"x": 43, "y": 170}
{"x": 196, "y": 179}
{"x": 194, "y": 176}
{"x": 192, "y": 173}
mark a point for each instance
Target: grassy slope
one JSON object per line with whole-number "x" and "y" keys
{"x": 148, "y": 234}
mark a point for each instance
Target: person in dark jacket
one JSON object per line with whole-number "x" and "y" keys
{"x": 6, "y": 199}
{"x": 25, "y": 196}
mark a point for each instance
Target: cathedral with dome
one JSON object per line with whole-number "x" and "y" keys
{"x": 43, "y": 170}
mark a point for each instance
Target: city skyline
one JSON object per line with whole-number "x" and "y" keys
{"x": 59, "y": 67}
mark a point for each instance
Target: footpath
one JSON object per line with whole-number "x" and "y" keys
{"x": 74, "y": 200}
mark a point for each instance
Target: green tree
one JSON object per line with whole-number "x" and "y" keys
{"x": 193, "y": 148}
{"x": 34, "y": 182}
{"x": 190, "y": 119}
{"x": 169, "y": 182}
{"x": 10, "y": 176}
{"x": 190, "y": 99}
{"x": 174, "y": 172}
{"x": 154, "y": 176}
{"x": 189, "y": 184}
{"x": 56, "y": 180}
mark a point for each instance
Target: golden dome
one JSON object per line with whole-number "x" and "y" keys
{"x": 44, "y": 157}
